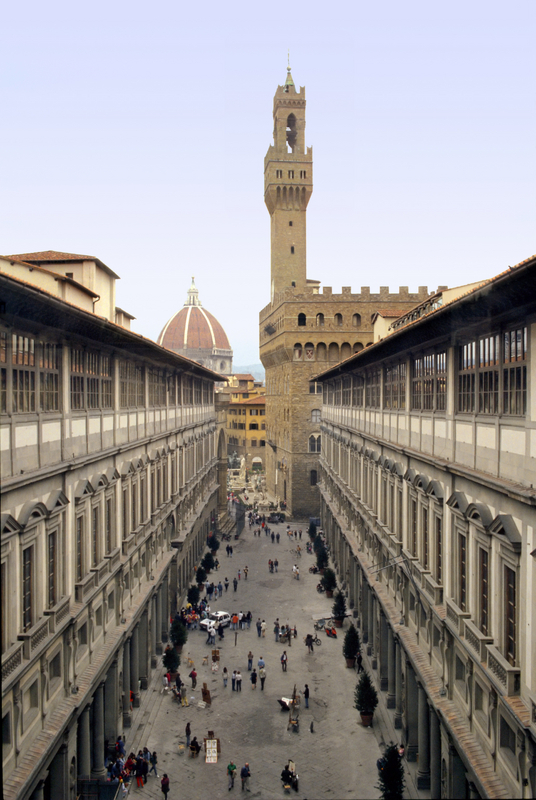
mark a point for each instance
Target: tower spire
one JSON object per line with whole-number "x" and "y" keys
{"x": 289, "y": 82}
{"x": 193, "y": 295}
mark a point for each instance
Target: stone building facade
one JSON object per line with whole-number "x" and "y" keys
{"x": 427, "y": 478}
{"x": 302, "y": 328}
{"x": 110, "y": 460}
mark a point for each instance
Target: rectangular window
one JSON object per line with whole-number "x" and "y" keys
{"x": 515, "y": 377}
{"x": 49, "y": 358}
{"x": 291, "y": 173}
{"x": 3, "y": 372}
{"x": 52, "y": 568}
{"x": 425, "y": 541}
{"x": 78, "y": 397}
{"x": 439, "y": 548}
{"x": 125, "y": 513}
{"x": 27, "y": 588}
{"x": 131, "y": 385}
{"x": 462, "y": 571}
{"x": 467, "y": 377}
{"x": 79, "y": 548}
{"x": 279, "y": 173}
{"x": 413, "y": 526}
{"x": 372, "y": 389}
{"x": 134, "y": 506}
{"x": 157, "y": 387}
{"x": 346, "y": 390}
{"x": 143, "y": 498}
{"x": 357, "y": 391}
{"x": 94, "y": 536}
{"x": 484, "y": 591}
{"x": 23, "y": 356}
{"x": 441, "y": 381}
{"x": 416, "y": 383}
{"x": 488, "y": 377}
{"x": 109, "y": 523}
{"x": 510, "y": 615}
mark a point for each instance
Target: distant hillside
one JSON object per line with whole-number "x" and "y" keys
{"x": 257, "y": 370}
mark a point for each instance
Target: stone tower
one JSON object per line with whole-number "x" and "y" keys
{"x": 288, "y": 185}
{"x": 303, "y": 330}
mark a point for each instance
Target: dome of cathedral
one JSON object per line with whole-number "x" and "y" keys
{"x": 196, "y": 333}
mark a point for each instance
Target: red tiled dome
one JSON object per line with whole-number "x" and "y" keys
{"x": 193, "y": 328}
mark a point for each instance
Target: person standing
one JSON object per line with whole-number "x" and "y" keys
{"x": 306, "y": 696}
{"x": 188, "y": 732}
{"x": 225, "y": 676}
{"x": 262, "y": 676}
{"x": 260, "y": 663}
{"x": 238, "y": 574}
{"x": 246, "y": 573}
{"x": 220, "y": 589}
{"x": 233, "y": 680}
{"x": 259, "y": 627}
{"x": 250, "y": 661}
{"x": 359, "y": 663}
{"x": 245, "y": 774}
{"x": 253, "y": 678}
{"x": 263, "y": 628}
{"x": 277, "y": 537}
{"x": 231, "y": 771}
{"x": 276, "y": 630}
{"x": 231, "y": 550}
{"x": 284, "y": 661}
{"x": 193, "y": 676}
{"x": 309, "y": 643}
{"x": 226, "y": 582}
{"x": 238, "y": 681}
{"x": 249, "y": 617}
{"x": 184, "y": 699}
{"x": 235, "y": 584}
{"x": 164, "y": 783}
{"x": 276, "y": 564}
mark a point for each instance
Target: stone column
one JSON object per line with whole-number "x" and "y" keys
{"x": 435, "y": 756}
{"x": 391, "y": 682}
{"x": 127, "y": 714}
{"x": 59, "y": 773}
{"x": 423, "y": 773}
{"x": 383, "y": 652}
{"x": 412, "y": 721}
{"x": 456, "y": 790}
{"x": 398, "y": 684}
{"x": 99, "y": 770}
{"x": 158, "y": 622}
{"x": 154, "y": 616}
{"x": 39, "y": 791}
{"x": 134, "y": 665}
{"x": 84, "y": 744}
{"x": 144, "y": 649}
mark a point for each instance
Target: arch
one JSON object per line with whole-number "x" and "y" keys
{"x": 334, "y": 352}
{"x": 320, "y": 320}
{"x": 309, "y": 351}
{"x": 284, "y": 198}
{"x": 356, "y": 320}
{"x": 480, "y": 513}
{"x": 292, "y": 133}
{"x": 298, "y": 352}
{"x": 358, "y": 346}
{"x": 321, "y": 352}
{"x": 278, "y": 197}
{"x": 338, "y": 320}
{"x": 222, "y": 364}
{"x": 346, "y": 350}
{"x": 256, "y": 463}
{"x": 291, "y": 196}
{"x": 302, "y": 319}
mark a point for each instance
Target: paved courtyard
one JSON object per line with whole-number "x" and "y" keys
{"x": 335, "y": 756}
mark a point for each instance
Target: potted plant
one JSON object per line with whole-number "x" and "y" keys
{"x": 312, "y": 531}
{"x": 391, "y": 781}
{"x": 178, "y": 634}
{"x": 207, "y": 562}
{"x": 171, "y": 661}
{"x": 193, "y": 595}
{"x": 200, "y": 576}
{"x": 338, "y": 611}
{"x": 318, "y": 544}
{"x": 329, "y": 582}
{"x": 366, "y": 699}
{"x": 213, "y": 543}
{"x": 322, "y": 559}
{"x": 351, "y": 645}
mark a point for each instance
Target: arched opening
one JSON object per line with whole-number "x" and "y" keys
{"x": 356, "y": 320}
{"x": 298, "y": 352}
{"x": 256, "y": 464}
{"x": 292, "y": 133}
{"x": 358, "y": 346}
{"x": 309, "y": 351}
{"x": 346, "y": 351}
{"x": 334, "y": 352}
{"x": 302, "y": 320}
{"x": 321, "y": 352}
{"x": 319, "y": 320}
{"x": 338, "y": 320}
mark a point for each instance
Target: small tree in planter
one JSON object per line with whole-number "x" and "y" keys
{"x": 193, "y": 595}
{"x": 318, "y": 544}
{"x": 322, "y": 559}
{"x": 351, "y": 645}
{"x": 366, "y": 699}
{"x": 312, "y": 531}
{"x": 213, "y": 543}
{"x": 329, "y": 582}
{"x": 178, "y": 634}
{"x": 208, "y": 562}
{"x": 391, "y": 774}
{"x": 200, "y": 575}
{"x": 171, "y": 660}
{"x": 338, "y": 611}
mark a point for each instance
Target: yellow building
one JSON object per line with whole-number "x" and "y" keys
{"x": 246, "y": 425}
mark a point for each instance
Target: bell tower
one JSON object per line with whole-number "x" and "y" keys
{"x": 288, "y": 185}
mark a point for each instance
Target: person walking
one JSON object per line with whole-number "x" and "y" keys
{"x": 263, "y": 628}
{"x": 262, "y": 676}
{"x": 273, "y": 537}
{"x": 299, "y": 534}
{"x": 184, "y": 699}
{"x": 309, "y": 643}
{"x": 246, "y": 573}
{"x": 253, "y": 679}
{"x": 235, "y": 584}
{"x": 220, "y": 589}
{"x": 276, "y": 564}
{"x": 138, "y": 771}
{"x": 226, "y": 582}
{"x": 231, "y": 771}
{"x": 260, "y": 663}
{"x": 231, "y": 550}
{"x": 164, "y": 783}
{"x": 193, "y": 676}
{"x": 284, "y": 661}
{"x": 188, "y": 732}
{"x": 238, "y": 681}
{"x": 233, "y": 680}
{"x": 227, "y": 549}
{"x": 249, "y": 617}
{"x": 259, "y": 627}
{"x": 359, "y": 660}
{"x": 154, "y": 762}
{"x": 238, "y": 574}
{"x": 245, "y": 774}
{"x": 276, "y": 630}
{"x": 277, "y": 537}
{"x": 225, "y": 676}
{"x": 306, "y": 696}
{"x": 250, "y": 661}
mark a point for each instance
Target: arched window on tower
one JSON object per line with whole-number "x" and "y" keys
{"x": 292, "y": 133}
{"x": 315, "y": 415}
{"x": 314, "y": 477}
{"x": 338, "y": 320}
{"x": 302, "y": 319}
{"x": 319, "y": 320}
{"x": 314, "y": 443}
{"x": 356, "y": 320}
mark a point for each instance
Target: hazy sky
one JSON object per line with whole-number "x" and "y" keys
{"x": 136, "y": 132}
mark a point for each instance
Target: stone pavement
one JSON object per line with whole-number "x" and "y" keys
{"x": 334, "y": 755}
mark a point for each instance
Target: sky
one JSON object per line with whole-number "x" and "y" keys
{"x": 136, "y": 132}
